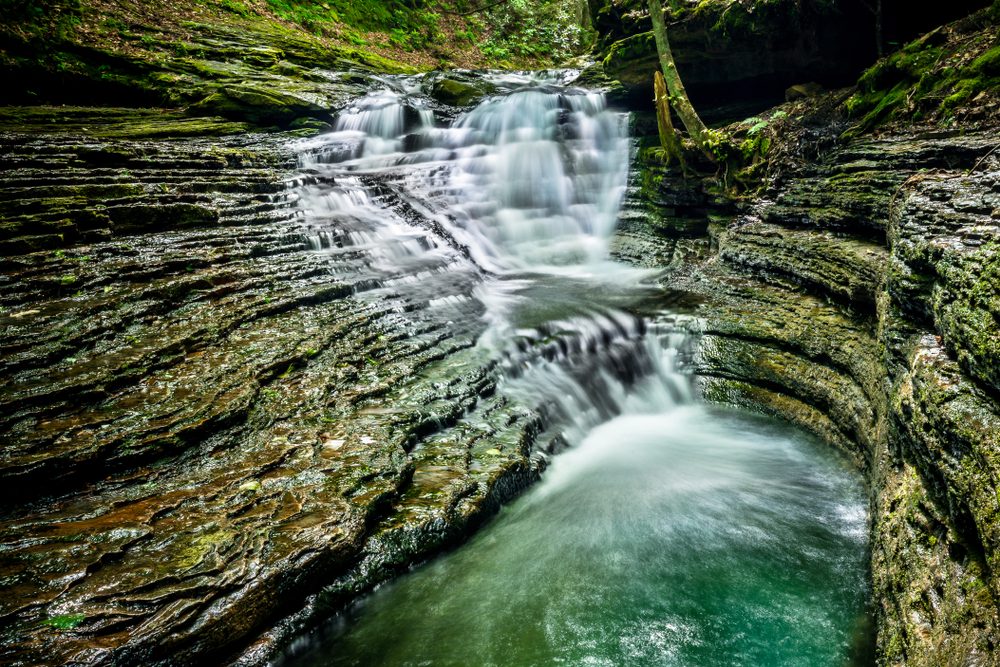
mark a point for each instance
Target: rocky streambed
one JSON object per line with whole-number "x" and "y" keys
{"x": 249, "y": 375}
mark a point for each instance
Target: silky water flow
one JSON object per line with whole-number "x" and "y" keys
{"x": 665, "y": 531}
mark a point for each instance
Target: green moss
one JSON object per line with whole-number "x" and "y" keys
{"x": 931, "y": 77}
{"x": 963, "y": 91}
{"x": 630, "y": 49}
{"x": 968, "y": 313}
{"x": 458, "y": 93}
{"x": 64, "y": 621}
{"x": 988, "y": 63}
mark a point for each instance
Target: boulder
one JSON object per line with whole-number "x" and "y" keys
{"x": 461, "y": 93}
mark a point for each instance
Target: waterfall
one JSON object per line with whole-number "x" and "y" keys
{"x": 527, "y": 181}
{"x": 521, "y": 191}
{"x": 669, "y": 533}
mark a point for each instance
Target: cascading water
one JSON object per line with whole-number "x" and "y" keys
{"x": 669, "y": 533}
{"x": 528, "y": 181}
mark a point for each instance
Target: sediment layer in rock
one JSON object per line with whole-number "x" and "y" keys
{"x": 206, "y": 421}
{"x": 858, "y": 298}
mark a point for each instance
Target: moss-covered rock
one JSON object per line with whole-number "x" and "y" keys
{"x": 948, "y": 74}
{"x": 461, "y": 93}
{"x": 259, "y": 106}
{"x": 856, "y": 296}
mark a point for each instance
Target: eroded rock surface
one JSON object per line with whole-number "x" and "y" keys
{"x": 206, "y": 421}
{"x": 858, "y": 298}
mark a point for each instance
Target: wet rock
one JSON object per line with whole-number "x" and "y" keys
{"x": 461, "y": 93}
{"x": 594, "y": 77}
{"x": 260, "y": 106}
{"x": 850, "y": 270}
{"x": 205, "y": 425}
{"x": 946, "y": 229}
{"x": 857, "y": 298}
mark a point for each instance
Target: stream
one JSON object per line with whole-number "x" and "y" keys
{"x": 664, "y": 531}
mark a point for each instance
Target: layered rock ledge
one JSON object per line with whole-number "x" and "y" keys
{"x": 210, "y": 427}
{"x": 858, "y": 298}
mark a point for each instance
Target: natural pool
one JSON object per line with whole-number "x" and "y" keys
{"x": 699, "y": 536}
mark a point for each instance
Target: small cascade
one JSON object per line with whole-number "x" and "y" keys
{"x": 668, "y": 533}
{"x": 527, "y": 181}
{"x": 585, "y": 370}
{"x": 346, "y": 218}
{"x": 374, "y": 125}
{"x": 547, "y": 192}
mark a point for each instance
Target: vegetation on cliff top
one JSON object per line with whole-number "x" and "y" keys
{"x": 422, "y": 34}
{"x": 947, "y": 76}
{"x": 130, "y": 52}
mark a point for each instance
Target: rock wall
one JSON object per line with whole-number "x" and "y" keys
{"x": 752, "y": 50}
{"x": 856, "y": 293}
{"x": 205, "y": 423}
{"x": 858, "y": 297}
{"x": 726, "y": 50}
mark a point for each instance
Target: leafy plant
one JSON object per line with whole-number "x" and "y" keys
{"x": 64, "y": 621}
{"x": 548, "y": 30}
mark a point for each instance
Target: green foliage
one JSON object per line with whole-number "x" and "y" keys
{"x": 745, "y": 155}
{"x": 738, "y": 18}
{"x": 549, "y": 30}
{"x": 930, "y": 77}
{"x": 64, "y": 621}
{"x": 407, "y": 25}
{"x": 41, "y": 17}
{"x": 236, "y": 7}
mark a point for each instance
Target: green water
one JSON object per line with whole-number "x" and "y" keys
{"x": 696, "y": 536}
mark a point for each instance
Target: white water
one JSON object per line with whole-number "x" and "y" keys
{"x": 667, "y": 533}
{"x": 531, "y": 180}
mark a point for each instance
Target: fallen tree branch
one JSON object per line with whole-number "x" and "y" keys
{"x": 982, "y": 159}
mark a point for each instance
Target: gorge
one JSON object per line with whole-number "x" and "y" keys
{"x": 251, "y": 372}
